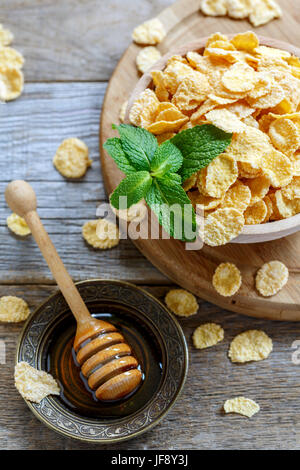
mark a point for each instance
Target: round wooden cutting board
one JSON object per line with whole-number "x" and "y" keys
{"x": 193, "y": 270}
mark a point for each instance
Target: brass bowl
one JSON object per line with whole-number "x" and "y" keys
{"x": 157, "y": 339}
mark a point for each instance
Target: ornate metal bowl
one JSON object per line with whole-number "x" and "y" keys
{"x": 144, "y": 409}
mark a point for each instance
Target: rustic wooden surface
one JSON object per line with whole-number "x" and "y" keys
{"x": 79, "y": 41}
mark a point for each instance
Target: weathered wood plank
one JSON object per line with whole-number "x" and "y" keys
{"x": 196, "y": 421}
{"x": 31, "y": 130}
{"x": 74, "y": 40}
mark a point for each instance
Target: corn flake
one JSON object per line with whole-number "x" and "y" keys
{"x": 17, "y": 225}
{"x": 222, "y": 226}
{"x": 191, "y": 92}
{"x": 239, "y": 9}
{"x": 278, "y": 168}
{"x": 181, "y": 302}
{"x": 250, "y": 146}
{"x": 9, "y": 57}
{"x": 227, "y": 279}
{"x": 33, "y": 384}
{"x": 207, "y": 335}
{"x": 190, "y": 182}
{"x": 245, "y": 41}
{"x": 241, "y": 405}
{"x": 146, "y": 58}
{"x": 292, "y": 190}
{"x": 251, "y": 345}
{"x": 160, "y": 87}
{"x": 11, "y": 83}
{"x": 239, "y": 78}
{"x": 271, "y": 278}
{"x": 122, "y": 112}
{"x": 259, "y": 188}
{"x": 225, "y": 120}
{"x": 214, "y": 7}
{"x": 238, "y": 196}
{"x": 264, "y": 11}
{"x": 101, "y": 234}
{"x": 6, "y": 37}
{"x": 256, "y": 213}
{"x": 143, "y": 111}
{"x": 135, "y": 213}
{"x": 221, "y": 173}
{"x": 13, "y": 309}
{"x": 72, "y": 158}
{"x": 151, "y": 32}
{"x": 203, "y": 203}
{"x": 168, "y": 119}
{"x": 286, "y": 207}
{"x": 284, "y": 135}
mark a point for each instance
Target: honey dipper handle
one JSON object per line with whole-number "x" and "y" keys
{"x": 22, "y": 200}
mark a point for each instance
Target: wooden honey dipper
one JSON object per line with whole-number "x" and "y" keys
{"x": 104, "y": 356}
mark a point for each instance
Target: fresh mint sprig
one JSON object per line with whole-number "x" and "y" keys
{"x": 155, "y": 173}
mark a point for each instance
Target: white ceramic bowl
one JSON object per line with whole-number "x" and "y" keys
{"x": 251, "y": 233}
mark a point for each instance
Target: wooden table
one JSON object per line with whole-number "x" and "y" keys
{"x": 71, "y": 48}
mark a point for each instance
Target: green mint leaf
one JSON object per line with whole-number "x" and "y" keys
{"x": 115, "y": 150}
{"x": 173, "y": 208}
{"x": 170, "y": 178}
{"x": 166, "y": 158}
{"x": 199, "y": 146}
{"x": 134, "y": 187}
{"x": 139, "y": 146}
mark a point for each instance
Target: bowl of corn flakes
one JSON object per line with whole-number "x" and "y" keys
{"x": 248, "y": 86}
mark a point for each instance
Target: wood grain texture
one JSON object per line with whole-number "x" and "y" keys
{"x": 197, "y": 420}
{"x": 36, "y": 123}
{"x": 192, "y": 269}
{"x": 70, "y": 40}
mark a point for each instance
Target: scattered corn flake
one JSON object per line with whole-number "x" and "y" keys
{"x": 259, "y": 188}
{"x": 264, "y": 11}
{"x": 278, "y": 168}
{"x": 214, "y": 7}
{"x": 213, "y": 38}
{"x": 238, "y": 196}
{"x": 251, "y": 345}
{"x": 33, "y": 384}
{"x": 207, "y": 335}
{"x": 256, "y": 213}
{"x": 239, "y": 78}
{"x": 11, "y": 83}
{"x": 151, "y": 32}
{"x": 147, "y": 57}
{"x": 13, "y": 309}
{"x": 72, "y": 158}
{"x": 101, "y": 234}
{"x": 135, "y": 213}
{"x": 6, "y": 36}
{"x": 247, "y": 41}
{"x": 241, "y": 405}
{"x": 17, "y": 225}
{"x": 227, "y": 279}
{"x": 239, "y": 9}
{"x": 9, "y": 57}
{"x": 181, "y": 302}
{"x": 221, "y": 173}
{"x": 222, "y": 226}
{"x": 225, "y": 120}
{"x": 271, "y": 278}
{"x": 122, "y": 112}
{"x": 284, "y": 135}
